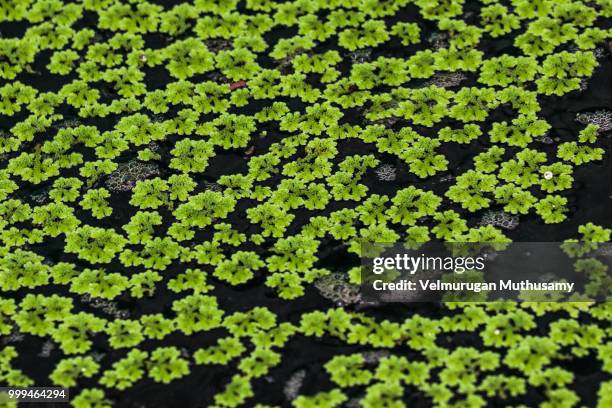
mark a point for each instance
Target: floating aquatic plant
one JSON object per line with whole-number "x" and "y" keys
{"x": 168, "y": 170}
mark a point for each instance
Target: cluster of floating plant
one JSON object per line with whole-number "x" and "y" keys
{"x": 231, "y": 174}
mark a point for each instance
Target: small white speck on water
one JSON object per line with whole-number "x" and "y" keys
{"x": 548, "y": 175}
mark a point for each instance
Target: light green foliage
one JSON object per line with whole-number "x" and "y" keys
{"x": 177, "y": 180}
